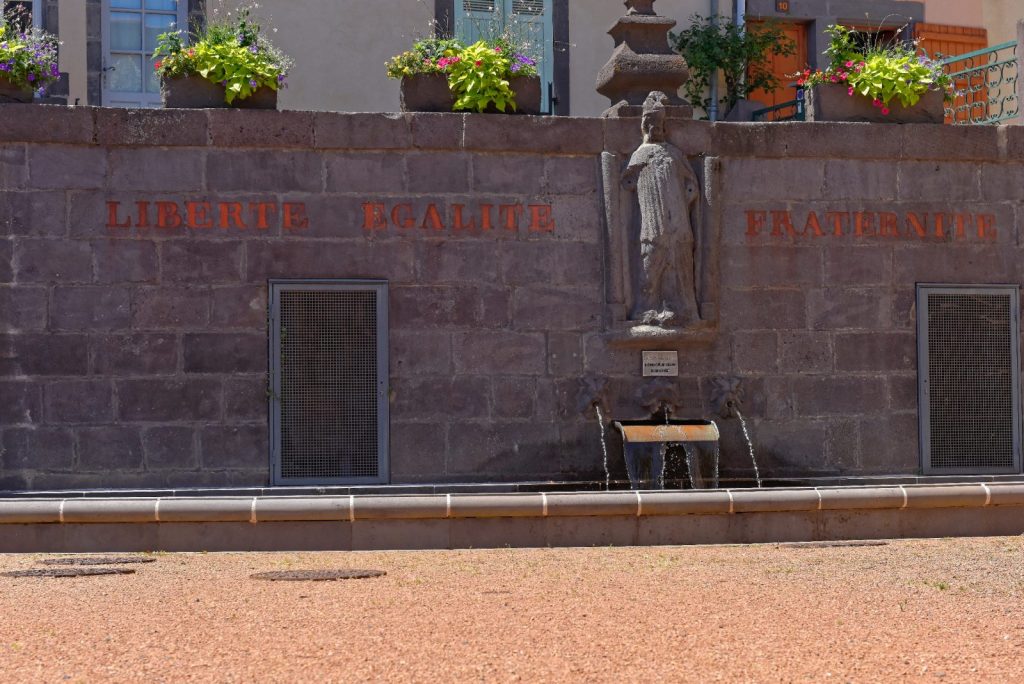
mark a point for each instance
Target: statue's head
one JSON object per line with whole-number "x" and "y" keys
{"x": 652, "y": 124}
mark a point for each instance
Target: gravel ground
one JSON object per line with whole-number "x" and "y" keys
{"x": 948, "y": 609}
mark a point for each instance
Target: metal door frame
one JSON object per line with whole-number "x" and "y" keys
{"x": 924, "y": 394}
{"x": 276, "y": 287}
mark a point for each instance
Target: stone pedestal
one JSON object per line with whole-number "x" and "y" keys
{"x": 642, "y": 62}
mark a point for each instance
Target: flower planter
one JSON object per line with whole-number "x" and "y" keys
{"x": 10, "y": 92}
{"x": 426, "y": 93}
{"x": 528, "y": 94}
{"x": 195, "y": 92}
{"x": 834, "y": 103}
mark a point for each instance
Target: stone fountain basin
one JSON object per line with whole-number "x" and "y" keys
{"x": 655, "y": 431}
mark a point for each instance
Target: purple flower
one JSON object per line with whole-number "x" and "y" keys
{"x": 253, "y": 49}
{"x": 224, "y": 83}
{"x": 31, "y": 77}
{"x": 5, "y": 67}
{"x": 280, "y": 78}
{"x": 252, "y": 82}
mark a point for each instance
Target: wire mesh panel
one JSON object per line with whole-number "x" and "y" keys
{"x": 329, "y": 376}
{"x": 969, "y": 377}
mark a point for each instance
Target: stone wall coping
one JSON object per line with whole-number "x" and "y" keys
{"x": 252, "y": 129}
{"x": 532, "y": 505}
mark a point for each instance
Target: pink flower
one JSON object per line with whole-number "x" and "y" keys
{"x": 849, "y": 64}
{"x": 497, "y": 49}
{"x": 834, "y": 79}
{"x": 885, "y": 111}
{"x": 850, "y": 91}
{"x": 877, "y": 103}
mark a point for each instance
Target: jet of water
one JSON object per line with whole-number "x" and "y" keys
{"x": 715, "y": 456}
{"x": 604, "y": 449}
{"x": 750, "y": 446}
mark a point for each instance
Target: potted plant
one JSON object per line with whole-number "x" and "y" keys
{"x": 877, "y": 83}
{"x": 487, "y": 76}
{"x": 227, "y": 64}
{"x": 422, "y": 73}
{"x": 28, "y": 61}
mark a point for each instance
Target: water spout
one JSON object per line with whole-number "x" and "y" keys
{"x": 750, "y": 444}
{"x": 604, "y": 449}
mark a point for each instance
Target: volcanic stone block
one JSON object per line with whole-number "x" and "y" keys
{"x": 171, "y": 308}
{"x": 90, "y": 308}
{"x": 162, "y": 127}
{"x": 939, "y": 181}
{"x": 432, "y": 307}
{"x": 44, "y": 354}
{"x": 62, "y": 166}
{"x": 539, "y": 308}
{"x": 834, "y": 309}
{"x": 934, "y": 141}
{"x": 755, "y": 352}
{"x": 562, "y": 263}
{"x": 109, "y": 448}
{"x": 757, "y": 265}
{"x": 31, "y": 123}
{"x": 169, "y": 400}
{"x": 361, "y": 131}
{"x": 903, "y": 392}
{"x": 250, "y": 128}
{"x": 79, "y": 401}
{"x": 518, "y": 174}
{"x": 770, "y": 179}
{"x": 6, "y": 263}
{"x": 457, "y": 262}
{"x": 235, "y": 446}
{"x": 785, "y": 449}
{"x": 513, "y": 397}
{"x": 32, "y": 213}
{"x": 22, "y": 402}
{"x": 838, "y": 395}
{"x": 510, "y": 353}
{"x": 805, "y": 352}
{"x": 12, "y": 166}
{"x": 542, "y": 134}
{"x": 390, "y": 260}
{"x": 461, "y": 396}
{"x": 441, "y": 172}
{"x": 420, "y": 352}
{"x": 890, "y": 445}
{"x": 46, "y": 261}
{"x": 880, "y": 351}
{"x": 135, "y": 354}
{"x": 38, "y": 449}
{"x": 502, "y": 450}
{"x": 369, "y": 172}
{"x": 858, "y": 265}
{"x": 239, "y": 307}
{"x": 224, "y": 353}
{"x": 125, "y": 262}
{"x": 265, "y": 170}
{"x": 763, "y": 309}
{"x": 23, "y": 309}
{"x": 565, "y": 355}
{"x": 940, "y": 263}
{"x": 158, "y": 170}
{"x": 571, "y": 175}
{"x": 440, "y": 131}
{"x": 188, "y": 261}
{"x": 860, "y": 180}
{"x": 170, "y": 447}
{"x": 245, "y": 398}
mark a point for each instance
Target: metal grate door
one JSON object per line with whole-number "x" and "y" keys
{"x": 969, "y": 379}
{"x": 329, "y": 372}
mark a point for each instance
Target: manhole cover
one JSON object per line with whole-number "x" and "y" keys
{"x": 68, "y": 572}
{"x": 98, "y": 560}
{"x": 316, "y": 575}
{"x": 831, "y": 544}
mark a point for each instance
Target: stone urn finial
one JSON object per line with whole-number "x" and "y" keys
{"x": 642, "y": 62}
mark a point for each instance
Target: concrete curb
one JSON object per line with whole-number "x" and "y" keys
{"x": 492, "y": 506}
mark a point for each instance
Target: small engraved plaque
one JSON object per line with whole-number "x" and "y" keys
{"x": 661, "y": 364}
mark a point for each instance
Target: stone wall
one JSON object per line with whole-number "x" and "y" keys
{"x": 133, "y": 338}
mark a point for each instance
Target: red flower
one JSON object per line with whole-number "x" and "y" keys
{"x": 479, "y": 62}
{"x": 158, "y": 64}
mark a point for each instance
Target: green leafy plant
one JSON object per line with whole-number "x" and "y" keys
{"x": 481, "y": 78}
{"x": 232, "y": 52}
{"x": 428, "y": 56}
{"x": 882, "y": 72}
{"x": 743, "y": 57}
{"x": 28, "y": 57}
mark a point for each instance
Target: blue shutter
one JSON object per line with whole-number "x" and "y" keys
{"x": 530, "y": 21}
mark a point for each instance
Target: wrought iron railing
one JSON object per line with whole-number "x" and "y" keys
{"x": 784, "y": 111}
{"x": 985, "y": 84}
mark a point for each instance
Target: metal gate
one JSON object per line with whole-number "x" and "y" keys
{"x": 969, "y": 378}
{"x": 328, "y": 380}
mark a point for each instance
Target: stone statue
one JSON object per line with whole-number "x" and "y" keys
{"x": 668, "y": 195}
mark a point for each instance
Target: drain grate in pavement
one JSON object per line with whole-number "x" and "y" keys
{"x": 68, "y": 572}
{"x": 316, "y": 575}
{"x": 98, "y": 560}
{"x": 830, "y": 544}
